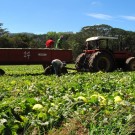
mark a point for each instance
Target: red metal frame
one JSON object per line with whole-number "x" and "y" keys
{"x": 22, "y": 56}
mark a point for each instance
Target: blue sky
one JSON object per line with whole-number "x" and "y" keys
{"x": 42, "y": 16}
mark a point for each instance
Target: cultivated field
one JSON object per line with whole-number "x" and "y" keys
{"x": 73, "y": 104}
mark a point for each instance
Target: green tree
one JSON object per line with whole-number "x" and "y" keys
{"x": 5, "y": 42}
{"x": 2, "y": 30}
{"x": 21, "y": 40}
{"x": 97, "y": 30}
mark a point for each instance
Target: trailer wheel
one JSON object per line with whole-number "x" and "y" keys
{"x": 80, "y": 62}
{"x": 45, "y": 66}
{"x": 2, "y": 72}
{"x": 49, "y": 70}
{"x": 130, "y": 64}
{"x": 101, "y": 61}
{"x": 64, "y": 70}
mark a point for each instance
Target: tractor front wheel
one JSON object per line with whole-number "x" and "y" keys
{"x": 81, "y": 63}
{"x": 101, "y": 61}
{"x": 130, "y": 64}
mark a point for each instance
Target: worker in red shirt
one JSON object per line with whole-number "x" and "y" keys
{"x": 49, "y": 43}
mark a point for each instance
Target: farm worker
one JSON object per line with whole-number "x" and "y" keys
{"x": 49, "y": 43}
{"x": 57, "y": 65}
{"x": 59, "y": 42}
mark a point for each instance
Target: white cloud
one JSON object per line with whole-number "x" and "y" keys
{"x": 131, "y": 18}
{"x": 100, "y": 16}
{"x": 109, "y": 17}
{"x": 96, "y": 3}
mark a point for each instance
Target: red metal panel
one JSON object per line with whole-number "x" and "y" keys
{"x": 3, "y": 56}
{"x": 122, "y": 55}
{"x": 17, "y": 56}
{"x": 63, "y": 55}
{"x": 40, "y": 56}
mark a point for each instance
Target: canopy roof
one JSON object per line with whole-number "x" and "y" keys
{"x": 99, "y": 38}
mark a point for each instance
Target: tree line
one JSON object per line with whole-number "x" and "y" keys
{"x": 74, "y": 41}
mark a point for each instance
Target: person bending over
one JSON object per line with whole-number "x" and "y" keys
{"x": 57, "y": 65}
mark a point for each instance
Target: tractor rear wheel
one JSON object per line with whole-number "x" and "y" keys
{"x": 80, "y": 62}
{"x": 101, "y": 61}
{"x": 130, "y": 64}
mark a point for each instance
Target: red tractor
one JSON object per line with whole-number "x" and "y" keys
{"x": 105, "y": 54}
{"x": 29, "y": 56}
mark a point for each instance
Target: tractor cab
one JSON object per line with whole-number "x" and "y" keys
{"x": 101, "y": 43}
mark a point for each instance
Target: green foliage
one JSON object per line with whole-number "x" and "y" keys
{"x": 30, "y": 102}
{"x": 5, "y": 42}
{"x": 74, "y": 41}
{"x": 2, "y": 30}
